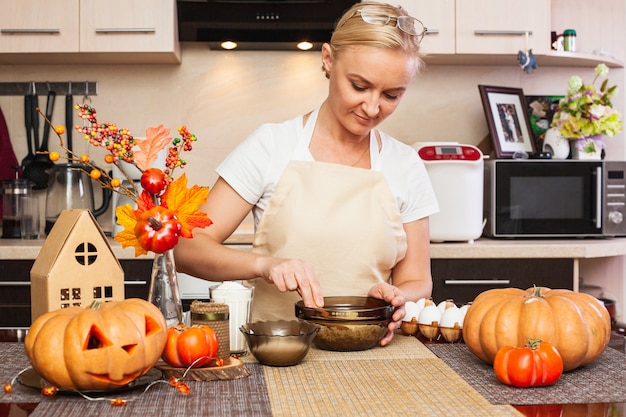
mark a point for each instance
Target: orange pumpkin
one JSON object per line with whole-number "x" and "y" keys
{"x": 576, "y": 324}
{"x": 105, "y": 346}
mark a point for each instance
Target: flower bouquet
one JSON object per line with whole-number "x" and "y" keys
{"x": 167, "y": 208}
{"x": 586, "y": 113}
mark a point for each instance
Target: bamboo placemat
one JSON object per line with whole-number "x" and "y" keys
{"x": 602, "y": 381}
{"x": 404, "y": 378}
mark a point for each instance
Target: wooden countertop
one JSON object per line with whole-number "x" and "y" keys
{"x": 480, "y": 249}
{"x": 535, "y": 248}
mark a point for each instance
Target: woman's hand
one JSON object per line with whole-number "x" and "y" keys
{"x": 394, "y": 296}
{"x": 295, "y": 275}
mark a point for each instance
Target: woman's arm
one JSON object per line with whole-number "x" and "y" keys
{"x": 411, "y": 277}
{"x": 205, "y": 256}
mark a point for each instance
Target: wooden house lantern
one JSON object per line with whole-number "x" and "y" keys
{"x": 75, "y": 266}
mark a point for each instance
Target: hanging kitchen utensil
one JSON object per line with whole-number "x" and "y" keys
{"x": 38, "y": 170}
{"x": 34, "y": 118}
{"x": 28, "y": 123}
{"x": 69, "y": 120}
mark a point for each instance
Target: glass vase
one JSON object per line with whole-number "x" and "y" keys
{"x": 164, "y": 292}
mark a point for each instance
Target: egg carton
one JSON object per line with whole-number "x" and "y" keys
{"x": 434, "y": 320}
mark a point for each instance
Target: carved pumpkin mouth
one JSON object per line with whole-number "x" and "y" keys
{"x": 126, "y": 379}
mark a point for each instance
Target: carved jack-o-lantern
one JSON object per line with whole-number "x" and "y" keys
{"x": 98, "y": 348}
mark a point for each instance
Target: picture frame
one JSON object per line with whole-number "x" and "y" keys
{"x": 541, "y": 110}
{"x": 507, "y": 119}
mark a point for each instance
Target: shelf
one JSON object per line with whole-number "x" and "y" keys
{"x": 551, "y": 59}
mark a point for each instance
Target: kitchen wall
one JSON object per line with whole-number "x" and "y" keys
{"x": 222, "y": 96}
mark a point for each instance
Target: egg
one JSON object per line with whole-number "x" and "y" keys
{"x": 451, "y": 317}
{"x": 446, "y": 304}
{"x": 411, "y": 310}
{"x": 429, "y": 315}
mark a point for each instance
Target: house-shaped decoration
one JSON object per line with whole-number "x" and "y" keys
{"x": 75, "y": 266}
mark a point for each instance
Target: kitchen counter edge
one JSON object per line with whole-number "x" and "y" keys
{"x": 483, "y": 248}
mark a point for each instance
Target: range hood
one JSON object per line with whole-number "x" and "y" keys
{"x": 259, "y": 24}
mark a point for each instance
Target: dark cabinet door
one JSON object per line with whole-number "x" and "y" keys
{"x": 463, "y": 279}
{"x": 15, "y": 288}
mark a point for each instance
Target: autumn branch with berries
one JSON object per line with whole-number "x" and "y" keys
{"x": 167, "y": 208}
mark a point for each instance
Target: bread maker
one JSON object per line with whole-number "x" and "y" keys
{"x": 456, "y": 174}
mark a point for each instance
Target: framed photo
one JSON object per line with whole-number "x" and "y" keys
{"x": 507, "y": 119}
{"x": 541, "y": 110}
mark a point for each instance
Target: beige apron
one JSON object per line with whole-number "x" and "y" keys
{"x": 343, "y": 220}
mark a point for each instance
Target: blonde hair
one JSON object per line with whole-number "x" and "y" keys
{"x": 352, "y": 31}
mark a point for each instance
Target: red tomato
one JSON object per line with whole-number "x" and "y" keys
{"x": 185, "y": 345}
{"x": 153, "y": 180}
{"x": 158, "y": 229}
{"x": 534, "y": 365}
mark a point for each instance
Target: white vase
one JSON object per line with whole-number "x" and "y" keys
{"x": 556, "y": 144}
{"x": 583, "y": 152}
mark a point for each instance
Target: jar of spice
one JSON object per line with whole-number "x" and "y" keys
{"x": 569, "y": 40}
{"x": 216, "y": 316}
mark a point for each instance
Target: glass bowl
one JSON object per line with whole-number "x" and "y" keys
{"x": 348, "y": 323}
{"x": 279, "y": 342}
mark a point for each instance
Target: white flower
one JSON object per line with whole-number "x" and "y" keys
{"x": 574, "y": 84}
{"x": 602, "y": 70}
{"x": 598, "y": 110}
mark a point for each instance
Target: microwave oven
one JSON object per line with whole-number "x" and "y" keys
{"x": 554, "y": 198}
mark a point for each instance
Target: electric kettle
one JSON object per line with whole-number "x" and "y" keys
{"x": 70, "y": 187}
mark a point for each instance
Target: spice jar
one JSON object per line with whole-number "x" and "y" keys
{"x": 216, "y": 316}
{"x": 569, "y": 40}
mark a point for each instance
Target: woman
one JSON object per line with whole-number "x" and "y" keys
{"x": 340, "y": 208}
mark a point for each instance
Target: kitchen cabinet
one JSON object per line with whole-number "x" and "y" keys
{"x": 86, "y": 31}
{"x": 15, "y": 288}
{"x": 479, "y": 32}
{"x": 483, "y": 27}
{"x": 31, "y": 26}
{"x": 463, "y": 279}
{"x": 500, "y": 27}
{"x": 462, "y": 270}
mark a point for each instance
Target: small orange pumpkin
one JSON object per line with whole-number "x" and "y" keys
{"x": 576, "y": 324}
{"x": 105, "y": 346}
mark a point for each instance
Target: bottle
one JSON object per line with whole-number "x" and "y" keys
{"x": 569, "y": 40}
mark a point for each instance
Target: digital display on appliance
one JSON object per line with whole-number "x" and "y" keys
{"x": 544, "y": 197}
{"x": 449, "y": 150}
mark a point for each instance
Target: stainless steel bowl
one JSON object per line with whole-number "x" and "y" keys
{"x": 279, "y": 342}
{"x": 348, "y": 323}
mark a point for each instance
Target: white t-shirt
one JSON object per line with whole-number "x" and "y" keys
{"x": 255, "y": 166}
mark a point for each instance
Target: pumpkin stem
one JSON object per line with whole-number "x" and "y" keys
{"x": 533, "y": 343}
{"x": 95, "y": 305}
{"x": 536, "y": 292}
{"x": 155, "y": 223}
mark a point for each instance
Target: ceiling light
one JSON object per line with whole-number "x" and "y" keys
{"x": 228, "y": 45}
{"x": 305, "y": 45}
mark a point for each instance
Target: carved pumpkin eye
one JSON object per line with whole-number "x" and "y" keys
{"x": 96, "y": 340}
{"x": 152, "y": 326}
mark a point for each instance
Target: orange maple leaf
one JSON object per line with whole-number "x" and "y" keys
{"x": 185, "y": 202}
{"x": 127, "y": 217}
{"x": 145, "y": 201}
{"x": 157, "y": 138}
